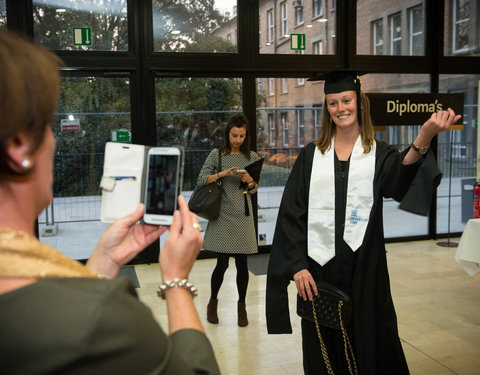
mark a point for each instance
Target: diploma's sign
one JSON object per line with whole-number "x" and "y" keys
{"x": 411, "y": 109}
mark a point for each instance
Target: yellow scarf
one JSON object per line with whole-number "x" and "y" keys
{"x": 22, "y": 255}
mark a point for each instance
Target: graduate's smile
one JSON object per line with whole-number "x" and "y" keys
{"x": 342, "y": 108}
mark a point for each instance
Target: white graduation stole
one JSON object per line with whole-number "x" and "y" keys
{"x": 321, "y": 202}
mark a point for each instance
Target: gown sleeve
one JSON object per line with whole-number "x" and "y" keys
{"x": 412, "y": 185}
{"x": 289, "y": 247}
{"x": 420, "y": 194}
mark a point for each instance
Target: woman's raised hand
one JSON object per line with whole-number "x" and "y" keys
{"x": 437, "y": 123}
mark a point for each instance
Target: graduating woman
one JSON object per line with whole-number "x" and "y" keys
{"x": 330, "y": 229}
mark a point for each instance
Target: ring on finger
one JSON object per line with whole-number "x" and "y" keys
{"x": 197, "y": 226}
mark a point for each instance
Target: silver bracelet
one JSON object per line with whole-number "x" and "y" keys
{"x": 175, "y": 283}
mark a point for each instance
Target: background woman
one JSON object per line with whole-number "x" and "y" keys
{"x": 233, "y": 233}
{"x": 330, "y": 228}
{"x": 58, "y": 316}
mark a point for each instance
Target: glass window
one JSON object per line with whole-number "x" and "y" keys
{"x": 391, "y": 27}
{"x": 461, "y": 26}
{"x": 285, "y": 128}
{"x": 284, "y": 19}
{"x": 317, "y": 8}
{"x": 396, "y": 34}
{"x": 193, "y": 112}
{"x": 457, "y": 157}
{"x": 3, "y": 13}
{"x": 294, "y": 121}
{"x": 195, "y": 26}
{"x": 316, "y": 113}
{"x": 271, "y": 86}
{"x": 318, "y": 48}
{"x": 284, "y": 85}
{"x": 271, "y": 129}
{"x": 399, "y": 223}
{"x": 292, "y": 124}
{"x": 299, "y": 15}
{"x": 81, "y": 24}
{"x": 259, "y": 86}
{"x": 416, "y": 31}
{"x": 378, "y": 37}
{"x": 300, "y": 127}
{"x": 462, "y": 20}
{"x": 270, "y": 26}
{"x": 314, "y": 19}
{"x": 92, "y": 111}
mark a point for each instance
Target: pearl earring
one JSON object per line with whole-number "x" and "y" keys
{"x": 26, "y": 164}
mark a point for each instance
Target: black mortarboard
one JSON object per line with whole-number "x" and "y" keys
{"x": 341, "y": 80}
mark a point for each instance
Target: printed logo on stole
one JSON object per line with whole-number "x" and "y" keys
{"x": 355, "y": 219}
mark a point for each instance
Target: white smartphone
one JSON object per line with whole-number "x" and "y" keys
{"x": 235, "y": 171}
{"x": 162, "y": 184}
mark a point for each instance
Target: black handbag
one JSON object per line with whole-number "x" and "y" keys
{"x": 206, "y": 200}
{"x": 331, "y": 308}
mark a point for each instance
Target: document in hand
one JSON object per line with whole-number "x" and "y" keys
{"x": 255, "y": 169}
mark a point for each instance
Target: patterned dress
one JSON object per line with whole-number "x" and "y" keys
{"x": 233, "y": 232}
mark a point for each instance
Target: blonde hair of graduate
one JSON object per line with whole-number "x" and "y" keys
{"x": 328, "y": 128}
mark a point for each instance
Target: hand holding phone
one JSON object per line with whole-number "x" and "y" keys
{"x": 162, "y": 184}
{"x": 238, "y": 171}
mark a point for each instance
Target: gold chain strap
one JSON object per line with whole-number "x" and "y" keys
{"x": 346, "y": 342}
{"x": 322, "y": 344}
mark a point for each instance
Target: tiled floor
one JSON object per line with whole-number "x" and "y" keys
{"x": 437, "y": 304}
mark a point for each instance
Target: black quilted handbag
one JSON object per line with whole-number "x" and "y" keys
{"x": 331, "y": 308}
{"x": 326, "y": 306}
{"x": 206, "y": 200}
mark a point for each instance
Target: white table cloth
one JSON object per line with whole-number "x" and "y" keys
{"x": 468, "y": 252}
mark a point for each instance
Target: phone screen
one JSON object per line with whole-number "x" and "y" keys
{"x": 162, "y": 189}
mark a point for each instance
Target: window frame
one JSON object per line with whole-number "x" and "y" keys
{"x": 300, "y": 114}
{"x": 412, "y": 33}
{"x": 284, "y": 16}
{"x": 455, "y": 23}
{"x": 285, "y": 128}
{"x": 317, "y": 8}
{"x": 270, "y": 26}
{"x": 378, "y": 26}
{"x": 395, "y": 40}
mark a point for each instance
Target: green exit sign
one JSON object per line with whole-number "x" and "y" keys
{"x": 297, "y": 41}
{"x": 121, "y": 135}
{"x": 82, "y": 36}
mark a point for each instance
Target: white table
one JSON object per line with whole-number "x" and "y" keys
{"x": 468, "y": 252}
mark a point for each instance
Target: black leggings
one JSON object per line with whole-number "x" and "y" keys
{"x": 219, "y": 272}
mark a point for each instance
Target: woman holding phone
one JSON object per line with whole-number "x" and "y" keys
{"x": 233, "y": 233}
{"x": 59, "y": 316}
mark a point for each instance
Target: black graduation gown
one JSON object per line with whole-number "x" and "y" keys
{"x": 362, "y": 274}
